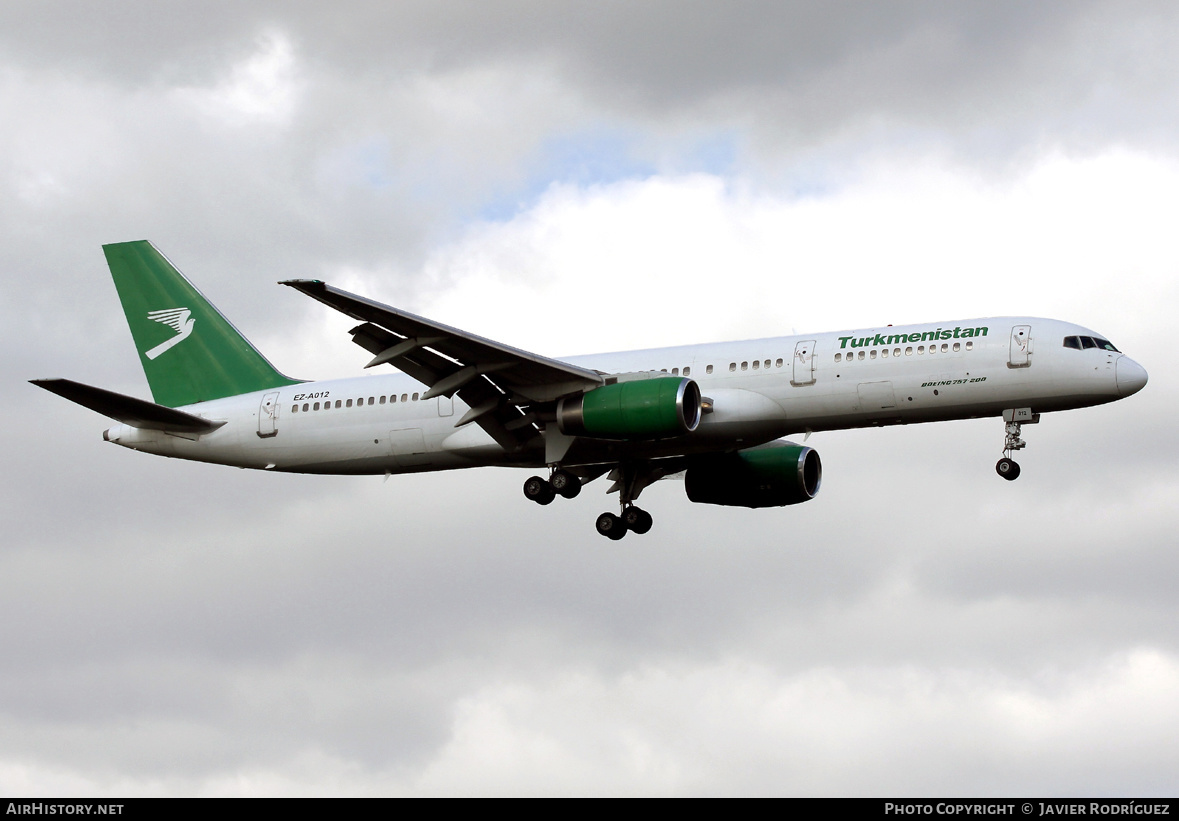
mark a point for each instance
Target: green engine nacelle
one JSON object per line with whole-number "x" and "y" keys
{"x": 656, "y": 408}
{"x": 778, "y": 474}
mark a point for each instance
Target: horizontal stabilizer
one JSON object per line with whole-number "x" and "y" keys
{"x": 127, "y": 409}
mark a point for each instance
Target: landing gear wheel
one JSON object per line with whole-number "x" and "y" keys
{"x": 539, "y": 491}
{"x": 1008, "y": 469}
{"x": 565, "y": 483}
{"x": 637, "y": 519}
{"x": 611, "y": 526}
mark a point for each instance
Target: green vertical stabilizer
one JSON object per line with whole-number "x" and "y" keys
{"x": 189, "y": 351}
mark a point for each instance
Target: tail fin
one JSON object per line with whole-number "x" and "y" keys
{"x": 190, "y": 352}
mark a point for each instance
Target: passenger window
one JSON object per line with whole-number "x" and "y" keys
{"x": 348, "y": 404}
{"x": 884, "y": 353}
{"x": 404, "y": 397}
{"x": 767, "y": 363}
{"x": 920, "y": 349}
{"x": 392, "y": 399}
{"x": 957, "y": 347}
{"x": 415, "y": 397}
{"x": 838, "y": 357}
{"x": 687, "y": 371}
{"x": 315, "y": 406}
{"x": 970, "y": 345}
{"x": 339, "y": 403}
{"x": 732, "y": 367}
{"x": 873, "y": 354}
{"x": 756, "y": 364}
{"x": 896, "y": 351}
{"x": 294, "y": 408}
{"x": 675, "y": 371}
{"x": 909, "y": 351}
{"x": 708, "y": 369}
{"x": 371, "y": 400}
{"x": 304, "y": 407}
{"x": 744, "y": 366}
{"x": 382, "y": 400}
{"x": 945, "y": 347}
{"x": 778, "y": 364}
{"x": 861, "y": 354}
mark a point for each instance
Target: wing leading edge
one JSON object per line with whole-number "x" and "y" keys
{"x": 500, "y": 384}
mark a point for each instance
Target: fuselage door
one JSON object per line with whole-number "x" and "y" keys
{"x": 804, "y": 363}
{"x": 408, "y": 447}
{"x": 876, "y": 397}
{"x": 268, "y": 415}
{"x": 1021, "y": 347}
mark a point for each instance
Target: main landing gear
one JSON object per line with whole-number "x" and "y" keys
{"x": 629, "y": 480}
{"x": 1014, "y": 418}
{"x": 632, "y": 518}
{"x": 560, "y": 483}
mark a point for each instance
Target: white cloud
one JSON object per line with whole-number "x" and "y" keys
{"x": 697, "y": 258}
{"x": 261, "y": 89}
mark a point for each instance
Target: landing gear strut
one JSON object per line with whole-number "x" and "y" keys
{"x": 1014, "y": 418}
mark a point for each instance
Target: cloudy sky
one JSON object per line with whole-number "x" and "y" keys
{"x": 569, "y": 178}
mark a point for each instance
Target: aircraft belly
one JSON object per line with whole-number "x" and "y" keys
{"x": 739, "y": 416}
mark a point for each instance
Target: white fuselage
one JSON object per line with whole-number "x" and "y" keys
{"x": 759, "y": 390}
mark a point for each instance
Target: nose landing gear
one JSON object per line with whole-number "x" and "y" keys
{"x": 1014, "y": 418}
{"x": 1007, "y": 468}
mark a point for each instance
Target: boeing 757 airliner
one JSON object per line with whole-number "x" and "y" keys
{"x": 715, "y": 413}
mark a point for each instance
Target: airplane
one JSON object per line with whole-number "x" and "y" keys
{"x": 714, "y": 413}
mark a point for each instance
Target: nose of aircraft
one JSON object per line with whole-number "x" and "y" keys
{"x": 1131, "y": 376}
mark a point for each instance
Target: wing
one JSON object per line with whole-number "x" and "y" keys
{"x": 502, "y": 385}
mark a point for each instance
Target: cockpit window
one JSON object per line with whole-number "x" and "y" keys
{"x": 1085, "y": 342}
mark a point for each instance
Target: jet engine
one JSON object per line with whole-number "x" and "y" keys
{"x": 774, "y": 475}
{"x": 656, "y": 408}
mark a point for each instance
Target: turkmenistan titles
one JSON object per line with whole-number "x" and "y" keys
{"x": 957, "y": 332}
